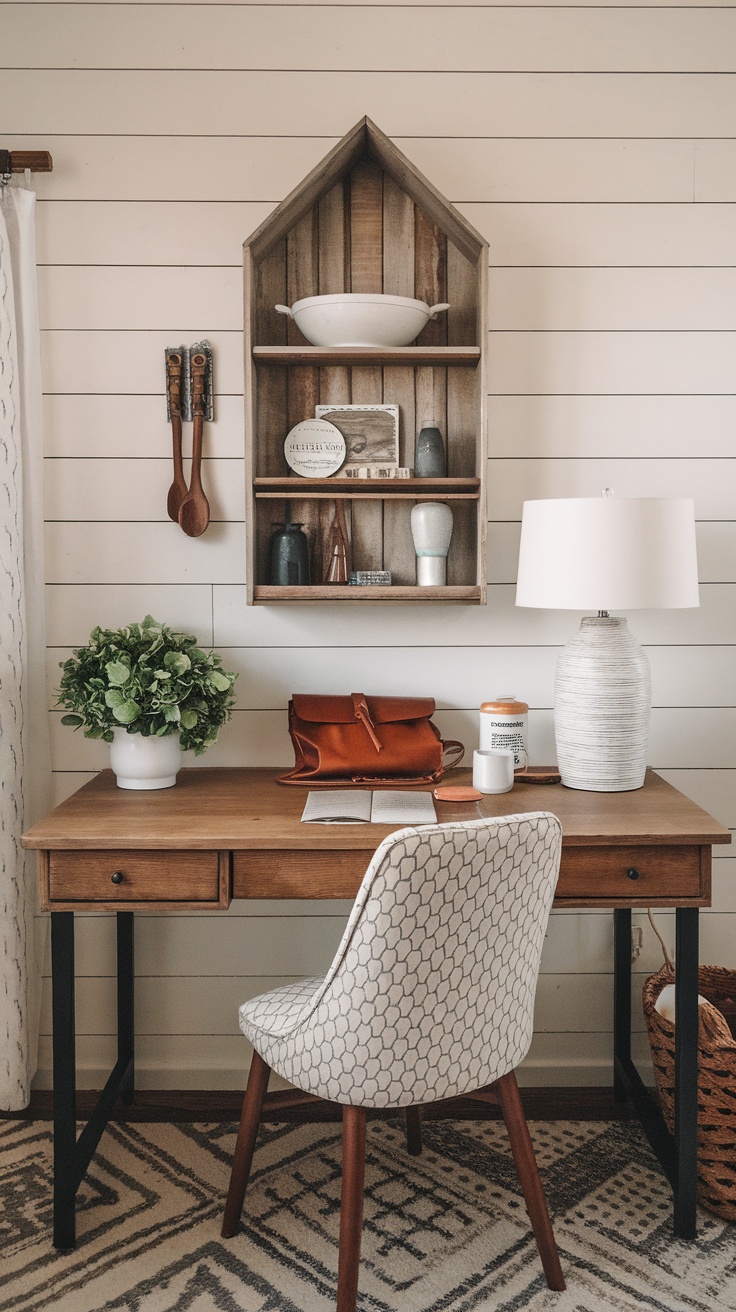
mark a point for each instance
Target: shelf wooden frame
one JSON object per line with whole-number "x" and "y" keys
{"x": 368, "y": 593}
{"x": 365, "y": 220}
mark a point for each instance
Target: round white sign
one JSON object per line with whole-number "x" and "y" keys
{"x": 314, "y": 448}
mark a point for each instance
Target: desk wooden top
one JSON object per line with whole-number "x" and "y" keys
{"x": 247, "y": 810}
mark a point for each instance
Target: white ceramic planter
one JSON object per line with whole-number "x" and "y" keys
{"x": 142, "y": 762}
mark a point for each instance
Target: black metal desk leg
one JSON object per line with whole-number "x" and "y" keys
{"x": 65, "y": 1088}
{"x": 621, "y": 998}
{"x": 126, "y": 1014}
{"x": 686, "y": 1071}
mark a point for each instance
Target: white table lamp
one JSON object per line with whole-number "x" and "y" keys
{"x": 605, "y": 553}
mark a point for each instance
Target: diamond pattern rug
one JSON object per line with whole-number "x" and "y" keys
{"x": 444, "y": 1232}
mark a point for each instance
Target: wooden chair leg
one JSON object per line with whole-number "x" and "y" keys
{"x": 528, "y": 1173}
{"x": 249, "y": 1122}
{"x": 413, "y": 1131}
{"x": 351, "y": 1206}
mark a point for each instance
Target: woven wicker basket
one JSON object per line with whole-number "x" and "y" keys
{"x": 716, "y": 1079}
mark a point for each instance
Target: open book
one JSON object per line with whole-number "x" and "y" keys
{"x": 356, "y": 806}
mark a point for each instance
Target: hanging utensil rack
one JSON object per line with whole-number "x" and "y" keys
{"x": 189, "y": 396}
{"x": 17, "y": 161}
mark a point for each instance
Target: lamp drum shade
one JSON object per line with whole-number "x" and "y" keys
{"x": 608, "y": 553}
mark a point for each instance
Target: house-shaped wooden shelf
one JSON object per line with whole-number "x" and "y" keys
{"x": 366, "y": 220}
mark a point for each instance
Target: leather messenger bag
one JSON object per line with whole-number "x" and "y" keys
{"x": 352, "y": 740}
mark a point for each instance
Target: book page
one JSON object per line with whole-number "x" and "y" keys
{"x": 338, "y": 806}
{"x": 394, "y": 807}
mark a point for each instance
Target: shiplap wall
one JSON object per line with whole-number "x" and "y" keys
{"x": 595, "y": 148}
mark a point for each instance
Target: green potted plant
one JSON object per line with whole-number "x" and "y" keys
{"x": 151, "y": 694}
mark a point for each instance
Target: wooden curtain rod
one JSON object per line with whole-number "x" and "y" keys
{"x": 17, "y": 161}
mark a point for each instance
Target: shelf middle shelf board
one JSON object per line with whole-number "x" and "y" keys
{"x": 326, "y": 355}
{"x": 368, "y": 489}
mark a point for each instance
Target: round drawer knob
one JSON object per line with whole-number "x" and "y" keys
{"x": 633, "y": 873}
{"x": 117, "y": 876}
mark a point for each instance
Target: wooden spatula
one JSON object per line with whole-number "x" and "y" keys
{"x": 194, "y": 511}
{"x": 178, "y": 489}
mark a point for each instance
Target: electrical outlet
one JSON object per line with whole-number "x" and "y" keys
{"x": 637, "y": 942}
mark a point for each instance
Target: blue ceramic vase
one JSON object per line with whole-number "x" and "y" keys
{"x": 429, "y": 456}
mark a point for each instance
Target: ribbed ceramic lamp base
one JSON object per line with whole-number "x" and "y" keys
{"x": 603, "y": 699}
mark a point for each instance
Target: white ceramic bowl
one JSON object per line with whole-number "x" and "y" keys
{"x": 360, "y": 319}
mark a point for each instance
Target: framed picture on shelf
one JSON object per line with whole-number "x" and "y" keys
{"x": 371, "y": 433}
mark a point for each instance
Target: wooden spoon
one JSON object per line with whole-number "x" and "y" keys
{"x": 178, "y": 489}
{"x": 194, "y": 511}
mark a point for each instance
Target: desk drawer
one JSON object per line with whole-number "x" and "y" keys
{"x": 634, "y": 873}
{"x": 298, "y": 874}
{"x": 123, "y": 877}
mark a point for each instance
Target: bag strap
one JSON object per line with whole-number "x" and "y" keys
{"x": 452, "y": 746}
{"x": 360, "y": 709}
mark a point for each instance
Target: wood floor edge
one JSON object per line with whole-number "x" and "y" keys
{"x": 548, "y": 1104}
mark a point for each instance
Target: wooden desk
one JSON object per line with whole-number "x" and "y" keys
{"x": 223, "y": 833}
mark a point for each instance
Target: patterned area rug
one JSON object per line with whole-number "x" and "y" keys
{"x": 445, "y": 1232}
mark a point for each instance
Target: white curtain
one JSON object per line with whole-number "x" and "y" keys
{"x": 24, "y": 757}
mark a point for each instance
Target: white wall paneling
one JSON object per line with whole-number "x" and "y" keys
{"x": 130, "y": 426}
{"x": 702, "y": 677}
{"x": 538, "y": 299}
{"x": 110, "y": 360}
{"x": 500, "y": 624}
{"x": 528, "y": 164}
{"x": 338, "y": 37}
{"x": 680, "y": 737}
{"x": 612, "y": 362}
{"x": 115, "y": 232}
{"x": 710, "y": 482}
{"x": 622, "y": 427}
{"x": 593, "y": 145}
{"x": 142, "y": 298}
{"x": 347, "y": 4}
{"x": 426, "y": 106}
{"x": 130, "y": 489}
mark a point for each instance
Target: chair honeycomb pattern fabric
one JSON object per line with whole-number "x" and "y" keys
{"x": 431, "y": 992}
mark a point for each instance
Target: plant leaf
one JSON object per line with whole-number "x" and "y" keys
{"x": 117, "y": 672}
{"x": 177, "y": 661}
{"x": 114, "y": 697}
{"x": 74, "y": 720}
{"x": 127, "y": 712}
{"x": 218, "y": 680}
{"x": 188, "y": 719}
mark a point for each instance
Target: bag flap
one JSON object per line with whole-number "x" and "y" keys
{"x": 321, "y": 709}
{"x": 386, "y": 710}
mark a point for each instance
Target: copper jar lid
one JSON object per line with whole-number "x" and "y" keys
{"x": 505, "y": 706}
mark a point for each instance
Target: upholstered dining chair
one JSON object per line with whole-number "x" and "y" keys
{"x": 430, "y": 995}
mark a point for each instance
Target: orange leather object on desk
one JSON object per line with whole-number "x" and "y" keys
{"x": 348, "y": 740}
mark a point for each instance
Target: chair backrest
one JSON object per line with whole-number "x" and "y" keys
{"x": 431, "y": 992}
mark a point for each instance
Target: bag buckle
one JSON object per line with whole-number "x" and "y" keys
{"x": 360, "y": 707}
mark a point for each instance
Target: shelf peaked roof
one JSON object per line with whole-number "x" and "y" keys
{"x": 365, "y": 140}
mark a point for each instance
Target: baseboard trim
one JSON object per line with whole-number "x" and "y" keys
{"x": 575, "y": 1103}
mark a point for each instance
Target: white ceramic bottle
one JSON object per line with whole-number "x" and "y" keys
{"x": 431, "y": 529}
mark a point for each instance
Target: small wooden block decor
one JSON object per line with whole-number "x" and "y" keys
{"x": 366, "y": 220}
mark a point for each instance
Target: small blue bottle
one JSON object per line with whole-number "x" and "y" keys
{"x": 289, "y": 554}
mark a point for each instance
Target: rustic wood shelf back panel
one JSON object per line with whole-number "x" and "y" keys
{"x": 366, "y": 221}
